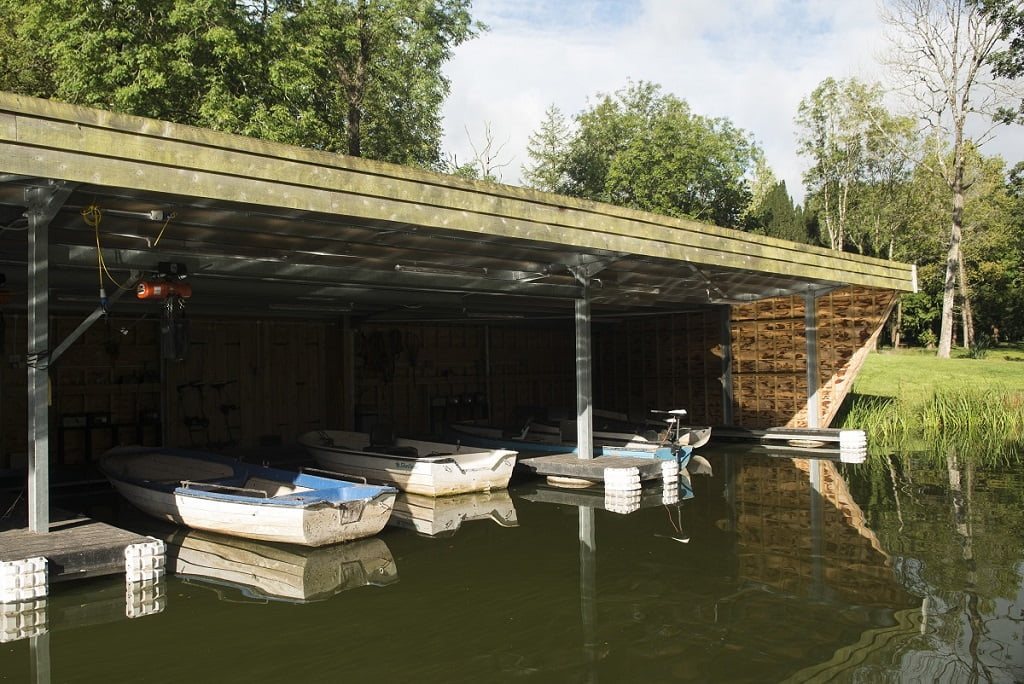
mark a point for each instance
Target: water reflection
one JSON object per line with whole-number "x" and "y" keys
{"x": 791, "y": 570}
{"x": 278, "y": 572}
{"x": 443, "y": 516}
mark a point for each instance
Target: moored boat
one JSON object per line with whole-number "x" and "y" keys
{"x": 610, "y": 431}
{"x": 211, "y": 492}
{"x": 411, "y": 465}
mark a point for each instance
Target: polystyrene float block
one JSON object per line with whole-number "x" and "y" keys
{"x": 22, "y": 620}
{"x": 145, "y": 560}
{"x": 144, "y": 597}
{"x": 22, "y": 580}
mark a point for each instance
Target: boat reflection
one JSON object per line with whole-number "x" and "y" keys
{"x": 441, "y": 516}
{"x": 277, "y": 572}
{"x": 598, "y": 497}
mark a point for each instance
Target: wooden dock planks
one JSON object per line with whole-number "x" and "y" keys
{"x": 75, "y": 547}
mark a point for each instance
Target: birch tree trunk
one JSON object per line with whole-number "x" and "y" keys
{"x": 966, "y": 309}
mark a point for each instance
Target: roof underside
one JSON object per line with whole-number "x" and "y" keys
{"x": 267, "y": 230}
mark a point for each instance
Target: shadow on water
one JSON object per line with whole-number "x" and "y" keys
{"x": 775, "y": 569}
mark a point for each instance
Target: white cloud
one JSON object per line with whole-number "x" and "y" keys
{"x": 750, "y": 61}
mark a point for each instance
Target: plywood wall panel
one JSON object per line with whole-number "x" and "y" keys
{"x": 769, "y": 342}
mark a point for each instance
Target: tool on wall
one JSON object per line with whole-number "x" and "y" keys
{"x": 195, "y": 422}
{"x": 226, "y": 409}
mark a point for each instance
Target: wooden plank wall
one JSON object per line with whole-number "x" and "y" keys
{"x": 770, "y": 354}
{"x": 14, "y": 392}
{"x": 242, "y": 383}
{"x": 420, "y": 376}
{"x": 664, "y": 362}
{"x": 105, "y": 388}
{"x": 246, "y": 383}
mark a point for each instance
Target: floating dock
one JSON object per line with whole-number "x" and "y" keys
{"x": 75, "y": 547}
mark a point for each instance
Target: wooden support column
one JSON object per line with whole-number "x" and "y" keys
{"x": 813, "y": 380}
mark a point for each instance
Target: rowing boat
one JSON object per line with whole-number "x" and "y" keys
{"x": 211, "y": 492}
{"x": 415, "y": 466}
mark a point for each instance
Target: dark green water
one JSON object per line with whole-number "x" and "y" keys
{"x": 868, "y": 573}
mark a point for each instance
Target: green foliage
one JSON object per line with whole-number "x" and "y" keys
{"x": 643, "y": 149}
{"x": 1008, "y": 62}
{"x": 342, "y": 75}
{"x": 775, "y": 215}
{"x": 991, "y": 248}
{"x": 859, "y": 164}
{"x": 546, "y": 147}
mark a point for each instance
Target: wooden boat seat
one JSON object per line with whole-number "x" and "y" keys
{"x": 383, "y": 441}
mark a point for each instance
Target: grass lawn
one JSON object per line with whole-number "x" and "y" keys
{"x": 915, "y": 374}
{"x": 909, "y": 400}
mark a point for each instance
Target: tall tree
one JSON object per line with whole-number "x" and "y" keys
{"x": 883, "y": 203}
{"x": 486, "y": 162}
{"x": 990, "y": 269}
{"x": 546, "y": 148}
{"x": 850, "y": 138}
{"x": 1008, "y": 61}
{"x": 941, "y": 49}
{"x": 775, "y": 215}
{"x": 643, "y": 149}
{"x": 369, "y": 74}
{"x": 350, "y": 76}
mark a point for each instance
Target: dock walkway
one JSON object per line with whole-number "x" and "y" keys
{"x": 75, "y": 547}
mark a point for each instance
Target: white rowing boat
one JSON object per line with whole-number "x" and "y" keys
{"x": 220, "y": 494}
{"x": 415, "y": 466}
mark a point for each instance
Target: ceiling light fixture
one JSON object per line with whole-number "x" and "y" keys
{"x": 442, "y": 270}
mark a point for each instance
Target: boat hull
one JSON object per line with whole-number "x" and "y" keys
{"x": 266, "y": 504}
{"x": 441, "y": 469}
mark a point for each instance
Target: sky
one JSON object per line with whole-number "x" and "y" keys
{"x": 750, "y": 61}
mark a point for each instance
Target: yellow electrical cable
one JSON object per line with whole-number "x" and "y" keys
{"x": 92, "y": 215}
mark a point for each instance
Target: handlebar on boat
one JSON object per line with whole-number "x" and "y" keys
{"x": 333, "y": 474}
{"x": 189, "y": 484}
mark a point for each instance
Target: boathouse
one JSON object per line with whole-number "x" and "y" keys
{"x": 168, "y": 284}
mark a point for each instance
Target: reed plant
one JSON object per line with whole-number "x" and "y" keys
{"x": 918, "y": 403}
